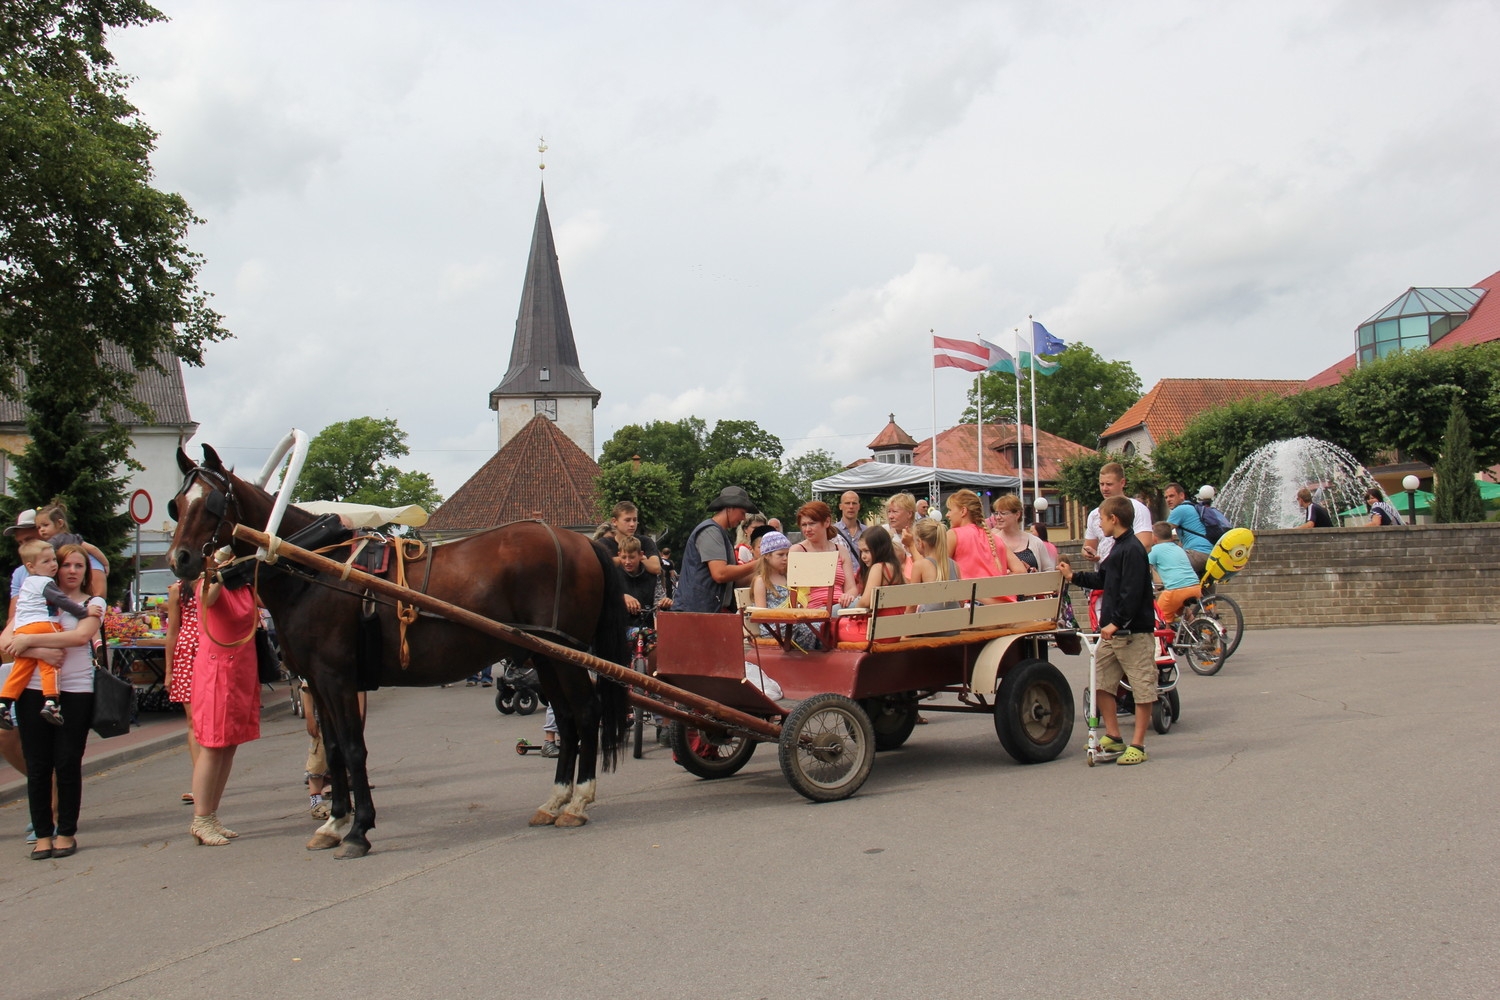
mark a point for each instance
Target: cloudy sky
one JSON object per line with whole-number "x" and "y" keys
{"x": 762, "y": 208}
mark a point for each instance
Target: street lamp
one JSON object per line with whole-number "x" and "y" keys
{"x": 1410, "y": 484}
{"x": 1040, "y": 505}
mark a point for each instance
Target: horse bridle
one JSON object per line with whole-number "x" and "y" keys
{"x": 216, "y": 503}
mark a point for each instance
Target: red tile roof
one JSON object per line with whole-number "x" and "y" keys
{"x": 892, "y": 437}
{"x": 1482, "y": 327}
{"x": 540, "y": 469}
{"x": 958, "y": 449}
{"x": 1172, "y": 403}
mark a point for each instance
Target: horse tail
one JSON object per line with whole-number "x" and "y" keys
{"x": 610, "y": 643}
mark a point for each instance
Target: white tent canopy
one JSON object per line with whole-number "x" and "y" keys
{"x": 878, "y": 477}
{"x": 362, "y": 515}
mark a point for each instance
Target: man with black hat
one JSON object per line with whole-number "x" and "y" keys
{"x": 707, "y": 572}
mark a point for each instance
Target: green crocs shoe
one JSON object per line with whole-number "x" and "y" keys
{"x": 1108, "y": 744}
{"x": 1133, "y": 755}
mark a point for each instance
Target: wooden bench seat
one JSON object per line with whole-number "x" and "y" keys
{"x": 962, "y": 637}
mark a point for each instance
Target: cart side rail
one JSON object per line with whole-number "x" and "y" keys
{"x": 1043, "y": 587}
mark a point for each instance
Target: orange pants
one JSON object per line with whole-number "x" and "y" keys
{"x": 21, "y": 670}
{"x": 1169, "y": 602}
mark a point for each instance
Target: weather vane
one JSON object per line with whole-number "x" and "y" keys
{"x": 541, "y": 148}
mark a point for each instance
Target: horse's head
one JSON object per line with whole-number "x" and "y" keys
{"x": 206, "y": 509}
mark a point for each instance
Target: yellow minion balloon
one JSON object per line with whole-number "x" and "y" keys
{"x": 1229, "y": 556}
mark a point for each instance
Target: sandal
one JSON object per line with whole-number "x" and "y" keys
{"x": 187, "y": 798}
{"x": 1133, "y": 755}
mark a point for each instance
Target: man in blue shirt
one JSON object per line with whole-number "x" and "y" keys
{"x": 1190, "y": 531}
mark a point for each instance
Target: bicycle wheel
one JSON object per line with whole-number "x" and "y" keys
{"x": 1205, "y": 646}
{"x": 1230, "y": 618}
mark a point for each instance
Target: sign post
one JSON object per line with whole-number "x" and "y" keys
{"x": 140, "y": 513}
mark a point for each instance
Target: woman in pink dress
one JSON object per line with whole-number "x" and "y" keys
{"x": 226, "y": 695}
{"x": 972, "y": 545}
{"x": 182, "y": 650}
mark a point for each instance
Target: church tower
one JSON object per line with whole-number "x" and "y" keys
{"x": 544, "y": 377}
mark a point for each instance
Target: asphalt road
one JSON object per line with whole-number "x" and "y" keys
{"x": 1319, "y": 824}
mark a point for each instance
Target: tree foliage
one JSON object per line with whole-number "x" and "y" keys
{"x": 346, "y": 462}
{"x": 1456, "y": 497}
{"x": 805, "y": 469}
{"x": 96, "y": 278}
{"x": 1403, "y": 401}
{"x": 1084, "y": 396}
{"x": 676, "y": 444}
{"x": 1078, "y": 478}
{"x": 652, "y": 488}
{"x": 760, "y": 478}
{"x": 1214, "y": 444}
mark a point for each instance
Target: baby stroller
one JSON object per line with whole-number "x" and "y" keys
{"x": 1168, "y": 706}
{"x": 518, "y": 690}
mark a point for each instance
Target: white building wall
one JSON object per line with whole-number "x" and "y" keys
{"x": 575, "y": 418}
{"x": 1139, "y": 437}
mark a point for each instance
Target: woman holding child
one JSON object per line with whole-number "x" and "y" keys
{"x": 55, "y": 752}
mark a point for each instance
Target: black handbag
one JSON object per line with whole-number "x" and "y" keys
{"x": 114, "y": 704}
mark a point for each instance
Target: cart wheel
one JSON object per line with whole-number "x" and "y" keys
{"x": 892, "y": 720}
{"x": 827, "y": 747}
{"x": 1206, "y": 650}
{"x": 1034, "y": 712}
{"x": 1174, "y": 702}
{"x": 526, "y": 702}
{"x": 707, "y": 756}
{"x": 1161, "y": 715}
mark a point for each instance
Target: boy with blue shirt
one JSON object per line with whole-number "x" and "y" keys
{"x": 1174, "y": 570}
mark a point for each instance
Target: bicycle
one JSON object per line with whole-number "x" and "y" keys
{"x": 1227, "y": 613}
{"x": 1198, "y": 638}
{"x": 644, "y": 638}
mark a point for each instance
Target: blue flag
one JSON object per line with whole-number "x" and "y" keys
{"x": 1043, "y": 342}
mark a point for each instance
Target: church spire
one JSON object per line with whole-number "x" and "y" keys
{"x": 543, "y": 356}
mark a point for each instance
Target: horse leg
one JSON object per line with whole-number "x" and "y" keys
{"x": 331, "y": 833}
{"x": 345, "y": 720}
{"x": 562, "y": 782}
{"x": 584, "y": 710}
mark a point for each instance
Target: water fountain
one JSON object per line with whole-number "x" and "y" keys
{"x": 1262, "y": 492}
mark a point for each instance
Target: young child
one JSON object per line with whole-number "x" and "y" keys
{"x": 1127, "y": 647}
{"x": 769, "y": 588}
{"x": 879, "y": 567}
{"x": 52, "y": 525}
{"x": 640, "y": 583}
{"x": 35, "y": 615}
{"x": 1172, "y": 566}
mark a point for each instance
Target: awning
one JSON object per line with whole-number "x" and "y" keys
{"x": 888, "y": 477}
{"x": 362, "y": 515}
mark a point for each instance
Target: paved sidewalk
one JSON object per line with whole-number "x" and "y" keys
{"x": 154, "y": 732}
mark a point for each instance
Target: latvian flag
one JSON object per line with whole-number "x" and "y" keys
{"x": 970, "y": 355}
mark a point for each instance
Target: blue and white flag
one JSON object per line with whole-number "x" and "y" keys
{"x": 1043, "y": 342}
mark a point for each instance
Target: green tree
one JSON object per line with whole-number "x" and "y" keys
{"x": 740, "y": 439}
{"x": 652, "y": 488}
{"x": 676, "y": 444}
{"x": 802, "y": 471}
{"x": 1403, "y": 401}
{"x": 1214, "y": 444}
{"x": 1456, "y": 499}
{"x": 1078, "y": 478}
{"x": 762, "y": 480}
{"x": 346, "y": 462}
{"x": 1084, "y": 396}
{"x": 96, "y": 278}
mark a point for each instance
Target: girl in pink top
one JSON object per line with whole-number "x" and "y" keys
{"x": 973, "y": 546}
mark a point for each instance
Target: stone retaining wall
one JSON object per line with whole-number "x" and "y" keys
{"x": 1355, "y": 576}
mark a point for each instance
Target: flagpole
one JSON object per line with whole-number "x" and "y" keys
{"x": 979, "y": 419}
{"x": 1020, "y": 454}
{"x": 1036, "y": 478}
{"x": 936, "y": 489}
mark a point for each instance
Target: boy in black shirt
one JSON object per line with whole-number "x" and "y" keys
{"x": 1127, "y": 646}
{"x": 640, "y": 583}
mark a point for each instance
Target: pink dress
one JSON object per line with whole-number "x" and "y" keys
{"x": 186, "y": 650}
{"x": 973, "y": 554}
{"x": 226, "y": 692}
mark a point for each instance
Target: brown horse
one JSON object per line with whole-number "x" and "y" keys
{"x": 555, "y": 583}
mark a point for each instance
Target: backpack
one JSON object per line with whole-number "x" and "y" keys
{"x": 1214, "y": 522}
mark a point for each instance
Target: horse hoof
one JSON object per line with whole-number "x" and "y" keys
{"x": 323, "y": 841}
{"x": 543, "y": 818}
{"x": 571, "y": 819}
{"x": 348, "y": 850}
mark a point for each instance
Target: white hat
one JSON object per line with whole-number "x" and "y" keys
{"x": 1205, "y": 493}
{"x": 25, "y": 519}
